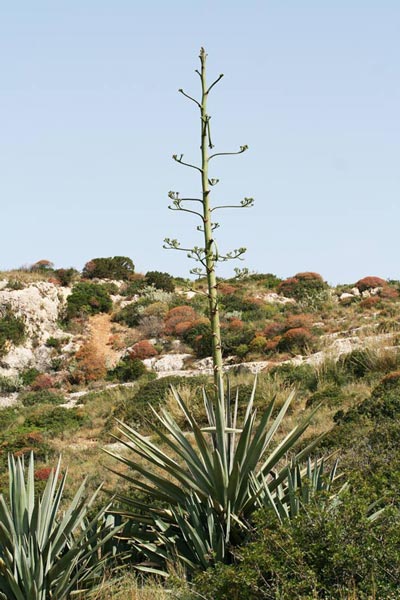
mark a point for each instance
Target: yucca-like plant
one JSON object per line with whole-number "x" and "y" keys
{"x": 46, "y": 553}
{"x": 204, "y": 486}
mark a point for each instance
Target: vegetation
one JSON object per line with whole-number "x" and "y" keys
{"x": 12, "y": 329}
{"x": 43, "y": 552}
{"x": 88, "y": 299}
{"x": 117, "y": 267}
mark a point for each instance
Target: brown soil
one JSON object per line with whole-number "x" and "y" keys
{"x": 100, "y": 331}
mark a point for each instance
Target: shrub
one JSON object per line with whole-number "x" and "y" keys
{"x": 43, "y": 381}
{"x": 178, "y": 315}
{"x": 53, "y": 342}
{"x": 370, "y": 282}
{"x": 8, "y": 385}
{"x": 42, "y": 266}
{"x": 389, "y": 293}
{"x": 371, "y": 302}
{"x": 29, "y": 375}
{"x": 161, "y": 281}
{"x": 41, "y": 397}
{"x": 128, "y": 369}
{"x": 329, "y": 395}
{"x": 258, "y": 344}
{"x": 90, "y": 365}
{"x": 117, "y": 267}
{"x": 319, "y": 554}
{"x": 304, "y": 376}
{"x": 297, "y": 339}
{"x": 12, "y": 329}
{"x": 307, "y": 288}
{"x": 135, "y": 285}
{"x": 56, "y": 420}
{"x": 143, "y": 349}
{"x": 129, "y": 314}
{"x": 88, "y": 299}
{"x": 66, "y": 276}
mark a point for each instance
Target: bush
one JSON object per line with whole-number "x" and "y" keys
{"x": 43, "y": 381}
{"x": 8, "y": 385}
{"x": 12, "y": 329}
{"x": 319, "y": 554}
{"x": 161, "y": 281}
{"x": 297, "y": 339}
{"x": 303, "y": 376}
{"x": 66, "y": 276}
{"x": 41, "y": 397}
{"x": 128, "y": 369}
{"x": 90, "y": 365}
{"x": 143, "y": 349}
{"x": 307, "y": 288}
{"x": 117, "y": 267}
{"x": 370, "y": 282}
{"x": 53, "y": 342}
{"x": 129, "y": 315}
{"x": 175, "y": 316}
{"x": 42, "y": 266}
{"x": 88, "y": 299}
{"x": 56, "y": 420}
{"x": 29, "y": 375}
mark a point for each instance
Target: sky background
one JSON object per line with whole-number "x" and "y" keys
{"x": 90, "y": 117}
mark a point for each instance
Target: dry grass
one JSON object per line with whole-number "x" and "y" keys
{"x": 24, "y": 276}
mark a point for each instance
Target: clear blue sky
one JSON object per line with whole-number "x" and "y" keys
{"x": 90, "y": 116}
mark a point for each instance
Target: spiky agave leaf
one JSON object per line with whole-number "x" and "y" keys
{"x": 203, "y": 489}
{"x": 44, "y": 553}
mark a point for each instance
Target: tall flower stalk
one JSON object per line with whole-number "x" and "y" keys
{"x": 207, "y": 255}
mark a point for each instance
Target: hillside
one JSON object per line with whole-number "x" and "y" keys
{"x": 75, "y": 357}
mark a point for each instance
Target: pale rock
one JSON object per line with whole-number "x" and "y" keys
{"x": 355, "y": 291}
{"x": 167, "y": 363}
{"x": 366, "y": 294}
{"x": 346, "y": 298}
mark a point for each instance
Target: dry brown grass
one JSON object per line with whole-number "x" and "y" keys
{"x": 25, "y": 276}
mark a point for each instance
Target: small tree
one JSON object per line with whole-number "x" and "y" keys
{"x": 117, "y": 267}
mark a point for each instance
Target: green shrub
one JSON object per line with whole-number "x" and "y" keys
{"x": 321, "y": 553}
{"x": 88, "y": 299}
{"x": 154, "y": 393}
{"x": 128, "y": 369}
{"x": 66, "y": 276}
{"x": 117, "y": 267}
{"x": 329, "y": 395}
{"x": 8, "y": 385}
{"x": 303, "y": 376}
{"x": 41, "y": 397}
{"x": 56, "y": 420}
{"x": 309, "y": 289}
{"x": 130, "y": 314}
{"x": 12, "y": 329}
{"x": 161, "y": 281}
{"x": 53, "y": 342}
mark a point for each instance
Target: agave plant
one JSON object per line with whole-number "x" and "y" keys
{"x": 45, "y": 553}
{"x": 203, "y": 489}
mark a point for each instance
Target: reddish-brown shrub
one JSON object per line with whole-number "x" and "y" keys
{"x": 303, "y": 286}
{"x": 297, "y": 338}
{"x": 370, "y": 282}
{"x": 42, "y": 382}
{"x": 301, "y": 320}
{"x": 91, "y": 364}
{"x": 226, "y": 288}
{"x": 273, "y": 329}
{"x": 370, "y": 302}
{"x": 388, "y": 292}
{"x": 272, "y": 345}
{"x": 43, "y": 474}
{"x": 143, "y": 349}
{"x": 179, "y": 314}
{"x": 235, "y": 324}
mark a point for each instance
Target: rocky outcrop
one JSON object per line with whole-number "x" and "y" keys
{"x": 40, "y": 304}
